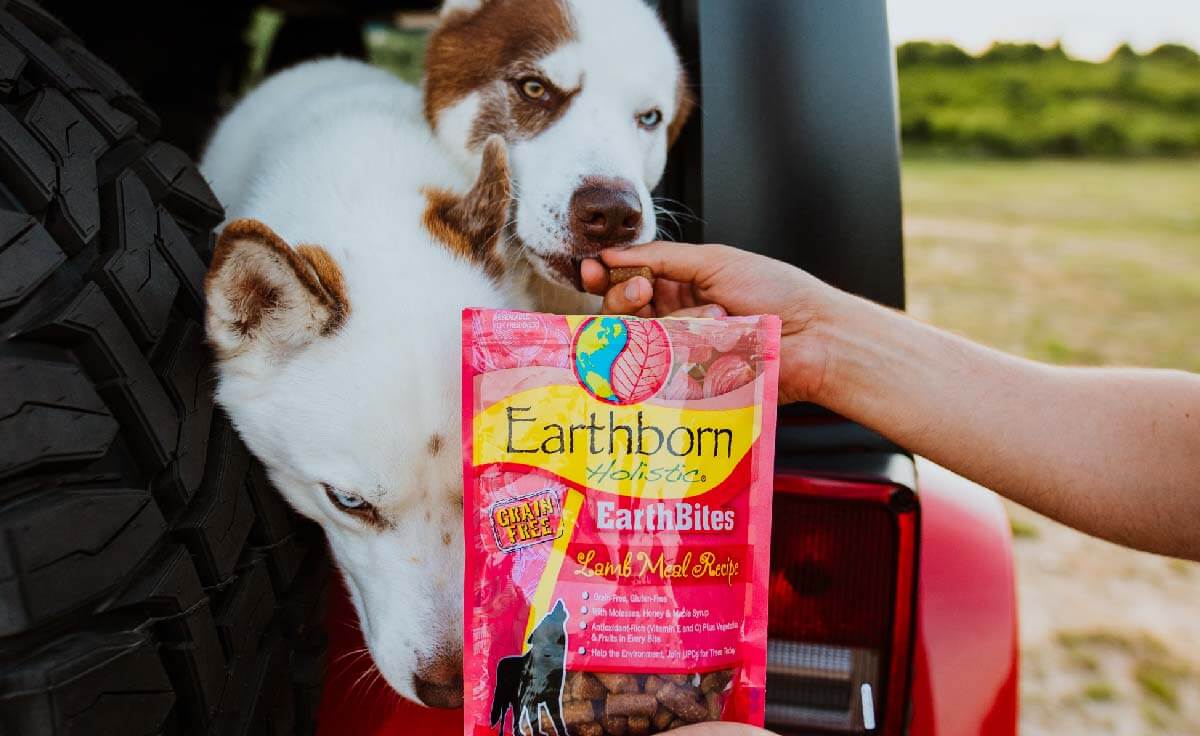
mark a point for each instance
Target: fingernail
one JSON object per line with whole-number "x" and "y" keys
{"x": 714, "y": 312}
{"x": 633, "y": 290}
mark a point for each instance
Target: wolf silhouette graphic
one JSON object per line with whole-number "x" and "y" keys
{"x": 534, "y": 680}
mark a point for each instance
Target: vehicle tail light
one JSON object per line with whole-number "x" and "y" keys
{"x": 841, "y": 592}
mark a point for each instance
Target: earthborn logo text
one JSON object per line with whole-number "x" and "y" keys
{"x": 621, "y": 361}
{"x": 528, "y": 520}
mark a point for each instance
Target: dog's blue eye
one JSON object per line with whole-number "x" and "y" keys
{"x": 347, "y": 502}
{"x": 650, "y": 119}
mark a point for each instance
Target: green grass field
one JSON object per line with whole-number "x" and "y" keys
{"x": 1066, "y": 261}
{"x": 1021, "y": 100}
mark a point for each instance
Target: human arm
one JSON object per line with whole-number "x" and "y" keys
{"x": 1112, "y": 452}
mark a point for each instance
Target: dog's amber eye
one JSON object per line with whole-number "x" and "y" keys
{"x": 533, "y": 89}
{"x": 650, "y": 119}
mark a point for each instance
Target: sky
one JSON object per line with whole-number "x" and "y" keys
{"x": 1089, "y": 29}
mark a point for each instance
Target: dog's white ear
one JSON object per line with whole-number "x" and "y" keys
{"x": 465, "y": 6}
{"x": 471, "y": 224}
{"x": 263, "y": 295}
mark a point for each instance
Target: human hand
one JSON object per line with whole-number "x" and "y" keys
{"x": 711, "y": 280}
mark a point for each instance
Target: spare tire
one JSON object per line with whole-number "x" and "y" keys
{"x": 151, "y": 580}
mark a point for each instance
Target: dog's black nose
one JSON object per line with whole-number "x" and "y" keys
{"x": 439, "y": 684}
{"x": 604, "y": 212}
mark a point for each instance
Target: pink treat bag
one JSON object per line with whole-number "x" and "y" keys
{"x": 618, "y": 520}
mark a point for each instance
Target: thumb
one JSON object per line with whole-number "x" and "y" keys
{"x": 628, "y": 297}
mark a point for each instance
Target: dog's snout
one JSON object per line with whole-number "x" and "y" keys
{"x": 439, "y": 684}
{"x": 605, "y": 212}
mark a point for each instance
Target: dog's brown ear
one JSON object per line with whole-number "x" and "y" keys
{"x": 685, "y": 102}
{"x": 471, "y": 224}
{"x": 264, "y": 295}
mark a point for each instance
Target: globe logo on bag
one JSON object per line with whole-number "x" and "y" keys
{"x": 621, "y": 360}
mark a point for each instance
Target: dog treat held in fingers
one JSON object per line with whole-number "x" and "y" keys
{"x": 617, "y": 521}
{"x": 622, "y": 274}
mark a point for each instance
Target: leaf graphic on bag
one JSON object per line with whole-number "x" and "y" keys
{"x": 641, "y": 369}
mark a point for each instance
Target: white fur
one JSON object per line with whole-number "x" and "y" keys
{"x": 454, "y": 130}
{"x": 334, "y": 153}
{"x": 623, "y": 63}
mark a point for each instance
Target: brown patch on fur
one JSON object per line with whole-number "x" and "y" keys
{"x": 515, "y": 119}
{"x": 471, "y": 225}
{"x": 494, "y": 45}
{"x": 435, "y": 444}
{"x": 253, "y": 297}
{"x": 330, "y": 277}
{"x": 684, "y": 104}
{"x": 446, "y": 538}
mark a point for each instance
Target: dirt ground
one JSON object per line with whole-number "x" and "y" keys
{"x": 1073, "y": 262}
{"x": 1110, "y": 639}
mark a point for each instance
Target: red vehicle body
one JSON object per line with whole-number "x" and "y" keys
{"x": 953, "y": 626}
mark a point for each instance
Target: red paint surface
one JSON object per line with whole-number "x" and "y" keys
{"x": 965, "y": 666}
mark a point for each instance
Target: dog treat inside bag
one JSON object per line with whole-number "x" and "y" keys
{"x": 618, "y": 521}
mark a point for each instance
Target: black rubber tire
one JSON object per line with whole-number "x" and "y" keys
{"x": 151, "y": 581}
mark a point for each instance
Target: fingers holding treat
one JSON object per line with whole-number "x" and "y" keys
{"x": 631, "y": 297}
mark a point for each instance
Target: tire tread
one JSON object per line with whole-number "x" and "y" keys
{"x": 151, "y": 579}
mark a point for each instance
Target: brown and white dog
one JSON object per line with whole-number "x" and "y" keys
{"x": 355, "y": 239}
{"x": 588, "y": 95}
